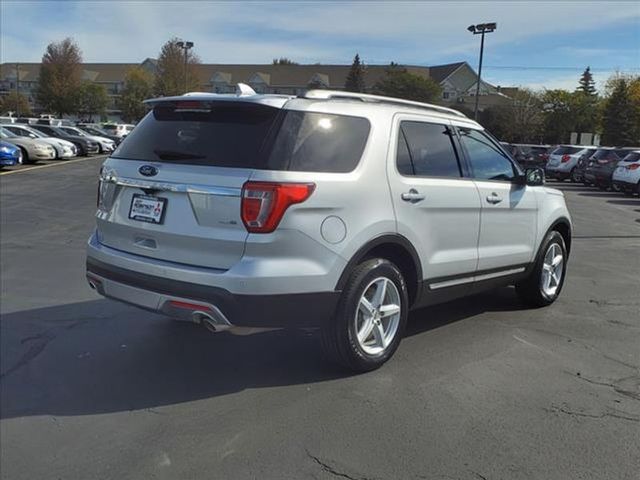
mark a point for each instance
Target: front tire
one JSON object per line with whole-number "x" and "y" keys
{"x": 370, "y": 318}
{"x": 23, "y": 159}
{"x": 544, "y": 284}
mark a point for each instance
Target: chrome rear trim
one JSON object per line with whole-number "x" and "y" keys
{"x": 172, "y": 187}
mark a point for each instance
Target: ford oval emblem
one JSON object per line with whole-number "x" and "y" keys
{"x": 148, "y": 170}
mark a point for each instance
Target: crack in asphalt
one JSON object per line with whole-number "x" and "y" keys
{"x": 619, "y": 386}
{"x": 586, "y": 345}
{"x": 331, "y": 470}
{"x": 573, "y": 413}
{"x": 41, "y": 340}
{"x": 478, "y": 475}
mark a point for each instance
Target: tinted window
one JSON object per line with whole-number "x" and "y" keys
{"x": 487, "y": 161}
{"x": 431, "y": 150}
{"x": 604, "y": 155}
{"x": 403, "y": 159}
{"x": 246, "y": 135}
{"x": 318, "y": 142}
{"x": 46, "y": 130}
{"x": 632, "y": 157}
{"x": 217, "y": 133}
{"x": 565, "y": 151}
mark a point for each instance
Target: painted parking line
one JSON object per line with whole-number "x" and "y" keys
{"x": 58, "y": 164}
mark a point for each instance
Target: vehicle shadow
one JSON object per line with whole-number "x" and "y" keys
{"x": 99, "y": 357}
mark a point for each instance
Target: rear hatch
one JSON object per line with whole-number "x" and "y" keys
{"x": 561, "y": 154}
{"x": 172, "y": 189}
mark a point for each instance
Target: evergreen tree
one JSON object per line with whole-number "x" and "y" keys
{"x": 586, "y": 84}
{"x": 355, "y": 78}
{"x": 618, "y": 117}
{"x": 399, "y": 83}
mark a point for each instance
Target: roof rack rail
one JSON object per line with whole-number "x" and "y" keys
{"x": 364, "y": 97}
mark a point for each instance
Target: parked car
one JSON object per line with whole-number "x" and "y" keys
{"x": 626, "y": 176}
{"x": 564, "y": 159}
{"x": 32, "y": 149}
{"x": 601, "y": 165}
{"x": 118, "y": 129}
{"x": 10, "y": 154}
{"x": 106, "y": 145}
{"x": 64, "y": 149}
{"x": 532, "y": 155}
{"x": 274, "y": 211}
{"x": 84, "y": 145}
{"x": 96, "y": 129}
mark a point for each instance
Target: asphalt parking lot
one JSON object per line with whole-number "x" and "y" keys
{"x": 480, "y": 388}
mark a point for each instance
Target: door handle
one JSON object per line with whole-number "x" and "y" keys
{"x": 494, "y": 198}
{"x": 412, "y": 196}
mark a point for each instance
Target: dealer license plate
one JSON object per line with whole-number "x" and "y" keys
{"x": 147, "y": 208}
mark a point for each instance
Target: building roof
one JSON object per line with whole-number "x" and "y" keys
{"x": 440, "y": 72}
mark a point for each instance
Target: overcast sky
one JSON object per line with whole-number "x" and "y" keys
{"x": 537, "y": 44}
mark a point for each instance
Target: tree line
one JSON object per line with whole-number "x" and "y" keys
{"x": 527, "y": 116}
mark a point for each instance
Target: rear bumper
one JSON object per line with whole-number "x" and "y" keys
{"x": 622, "y": 185}
{"x": 299, "y": 310}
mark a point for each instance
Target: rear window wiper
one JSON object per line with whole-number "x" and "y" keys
{"x": 173, "y": 155}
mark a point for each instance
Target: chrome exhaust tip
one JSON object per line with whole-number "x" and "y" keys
{"x": 209, "y": 322}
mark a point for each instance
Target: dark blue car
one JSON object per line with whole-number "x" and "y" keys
{"x": 9, "y": 154}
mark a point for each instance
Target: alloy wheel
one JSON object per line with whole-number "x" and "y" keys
{"x": 552, "y": 270}
{"x": 378, "y": 316}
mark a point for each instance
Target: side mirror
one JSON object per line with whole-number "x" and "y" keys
{"x": 534, "y": 177}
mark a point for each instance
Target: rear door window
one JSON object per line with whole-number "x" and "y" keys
{"x": 430, "y": 151}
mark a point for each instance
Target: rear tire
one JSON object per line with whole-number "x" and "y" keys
{"x": 544, "y": 284}
{"x": 370, "y": 318}
{"x": 573, "y": 176}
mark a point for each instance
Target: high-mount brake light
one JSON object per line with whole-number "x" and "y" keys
{"x": 264, "y": 203}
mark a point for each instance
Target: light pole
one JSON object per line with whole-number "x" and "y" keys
{"x": 17, "y": 89}
{"x": 186, "y": 46}
{"x": 480, "y": 29}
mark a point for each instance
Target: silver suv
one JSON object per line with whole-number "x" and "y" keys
{"x": 332, "y": 210}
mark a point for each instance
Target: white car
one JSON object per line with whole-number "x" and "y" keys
{"x": 118, "y": 129}
{"x": 336, "y": 210}
{"x": 563, "y": 160}
{"x": 626, "y": 176}
{"x": 64, "y": 149}
{"x": 106, "y": 145}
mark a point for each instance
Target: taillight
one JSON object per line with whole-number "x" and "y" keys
{"x": 565, "y": 158}
{"x": 633, "y": 166}
{"x": 264, "y": 203}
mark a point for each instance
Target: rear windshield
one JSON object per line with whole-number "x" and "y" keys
{"x": 604, "y": 154}
{"x": 246, "y": 135}
{"x": 565, "y": 151}
{"x": 632, "y": 157}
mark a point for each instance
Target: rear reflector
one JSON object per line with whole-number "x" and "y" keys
{"x": 189, "y": 306}
{"x": 264, "y": 203}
